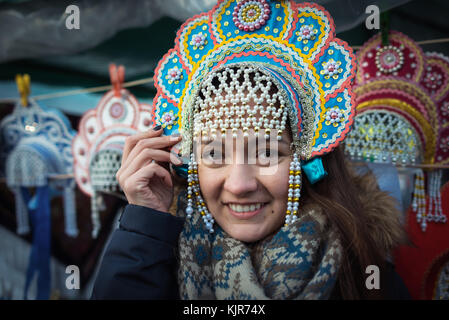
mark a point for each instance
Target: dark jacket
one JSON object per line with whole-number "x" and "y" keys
{"x": 140, "y": 261}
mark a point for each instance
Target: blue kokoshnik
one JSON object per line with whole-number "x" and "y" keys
{"x": 280, "y": 44}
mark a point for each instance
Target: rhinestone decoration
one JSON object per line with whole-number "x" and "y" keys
{"x": 433, "y": 80}
{"x": 389, "y": 59}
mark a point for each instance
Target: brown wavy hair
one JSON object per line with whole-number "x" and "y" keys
{"x": 340, "y": 195}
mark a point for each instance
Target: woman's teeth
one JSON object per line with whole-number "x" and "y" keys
{"x": 245, "y": 208}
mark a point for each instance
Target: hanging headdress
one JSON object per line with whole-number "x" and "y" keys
{"x": 282, "y": 57}
{"x": 436, "y": 81}
{"x": 428, "y": 279}
{"x": 98, "y": 146}
{"x": 398, "y": 119}
{"x": 35, "y": 145}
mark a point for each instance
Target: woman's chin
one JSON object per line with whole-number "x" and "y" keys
{"x": 246, "y": 232}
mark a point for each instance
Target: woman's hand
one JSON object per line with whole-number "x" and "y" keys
{"x": 146, "y": 182}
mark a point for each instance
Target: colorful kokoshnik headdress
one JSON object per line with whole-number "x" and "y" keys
{"x": 278, "y": 59}
{"x": 36, "y": 143}
{"x": 401, "y": 119}
{"x": 98, "y": 146}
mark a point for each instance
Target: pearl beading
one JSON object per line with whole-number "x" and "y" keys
{"x": 294, "y": 190}
{"x": 419, "y": 200}
{"x": 193, "y": 189}
{"x": 215, "y": 110}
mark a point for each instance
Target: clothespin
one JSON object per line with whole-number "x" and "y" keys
{"x": 23, "y": 86}
{"x": 117, "y": 76}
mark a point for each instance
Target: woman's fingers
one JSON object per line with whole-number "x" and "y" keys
{"x": 143, "y": 158}
{"x": 152, "y": 143}
{"x": 131, "y": 141}
{"x": 141, "y": 177}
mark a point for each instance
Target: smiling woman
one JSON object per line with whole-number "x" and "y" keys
{"x": 243, "y": 176}
{"x": 245, "y": 202}
{"x": 270, "y": 209}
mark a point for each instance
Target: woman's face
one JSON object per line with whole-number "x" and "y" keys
{"x": 244, "y": 182}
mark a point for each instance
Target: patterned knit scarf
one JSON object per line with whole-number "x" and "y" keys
{"x": 300, "y": 261}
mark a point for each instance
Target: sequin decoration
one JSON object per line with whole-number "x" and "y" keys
{"x": 332, "y": 69}
{"x": 389, "y": 59}
{"x": 334, "y": 116}
{"x": 198, "y": 41}
{"x": 174, "y": 75}
{"x": 307, "y": 33}
{"x": 168, "y": 119}
{"x": 433, "y": 80}
{"x": 250, "y": 15}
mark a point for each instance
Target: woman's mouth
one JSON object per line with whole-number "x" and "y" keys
{"x": 246, "y": 211}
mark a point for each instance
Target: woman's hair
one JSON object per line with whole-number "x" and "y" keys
{"x": 339, "y": 196}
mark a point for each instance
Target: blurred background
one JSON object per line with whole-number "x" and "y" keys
{"x": 135, "y": 34}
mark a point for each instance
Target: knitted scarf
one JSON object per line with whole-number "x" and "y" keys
{"x": 300, "y": 261}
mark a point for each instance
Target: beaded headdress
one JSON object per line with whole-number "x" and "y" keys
{"x": 279, "y": 59}
{"x": 399, "y": 117}
{"x": 36, "y": 146}
{"x": 98, "y": 146}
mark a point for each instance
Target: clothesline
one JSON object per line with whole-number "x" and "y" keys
{"x": 81, "y": 91}
{"x": 90, "y": 90}
{"x": 150, "y": 80}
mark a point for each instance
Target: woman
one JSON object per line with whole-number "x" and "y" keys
{"x": 270, "y": 210}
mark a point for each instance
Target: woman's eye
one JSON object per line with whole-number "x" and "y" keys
{"x": 266, "y": 153}
{"x": 212, "y": 155}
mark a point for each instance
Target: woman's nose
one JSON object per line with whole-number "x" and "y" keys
{"x": 240, "y": 179}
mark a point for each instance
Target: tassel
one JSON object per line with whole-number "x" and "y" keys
{"x": 419, "y": 200}
{"x": 39, "y": 262}
{"x": 96, "y": 203}
{"x": 23, "y": 224}
{"x": 432, "y": 176}
{"x": 440, "y": 216}
{"x": 435, "y": 209}
{"x": 71, "y": 228}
